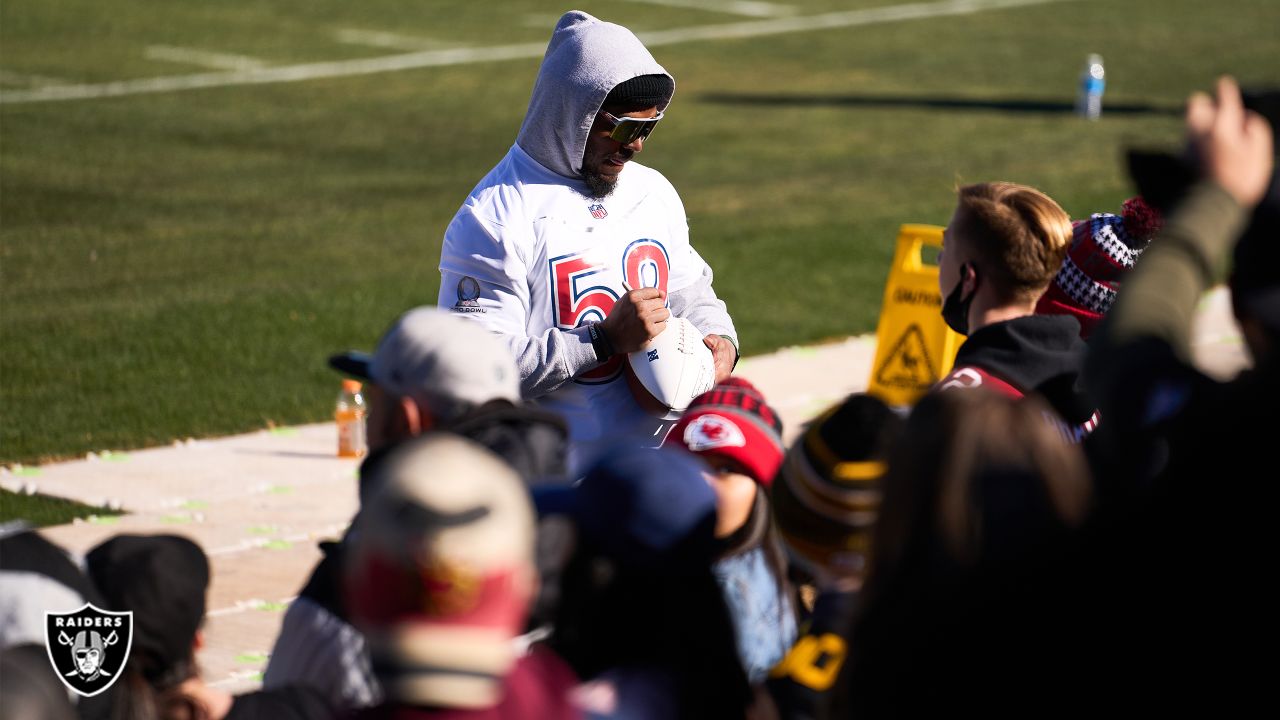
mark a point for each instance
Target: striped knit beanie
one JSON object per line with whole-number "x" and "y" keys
{"x": 827, "y": 494}
{"x": 1103, "y": 249}
{"x": 732, "y": 420}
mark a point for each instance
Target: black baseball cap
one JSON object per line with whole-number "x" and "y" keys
{"x": 163, "y": 579}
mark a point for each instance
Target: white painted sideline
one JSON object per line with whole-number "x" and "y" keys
{"x": 203, "y": 58}
{"x": 389, "y": 40}
{"x": 827, "y": 21}
{"x": 464, "y": 56}
{"x": 750, "y": 8}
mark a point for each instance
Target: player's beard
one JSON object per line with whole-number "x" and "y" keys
{"x": 598, "y": 185}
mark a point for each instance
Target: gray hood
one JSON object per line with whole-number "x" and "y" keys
{"x": 585, "y": 60}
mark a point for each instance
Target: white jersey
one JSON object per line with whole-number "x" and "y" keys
{"x": 534, "y": 259}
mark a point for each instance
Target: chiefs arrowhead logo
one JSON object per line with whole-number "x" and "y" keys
{"x": 708, "y": 432}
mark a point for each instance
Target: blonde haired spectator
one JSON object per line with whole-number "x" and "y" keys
{"x": 1001, "y": 250}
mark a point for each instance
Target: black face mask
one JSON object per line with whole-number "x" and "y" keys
{"x": 955, "y": 311}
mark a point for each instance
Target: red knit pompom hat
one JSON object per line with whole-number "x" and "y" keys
{"x": 1103, "y": 249}
{"x": 733, "y": 421}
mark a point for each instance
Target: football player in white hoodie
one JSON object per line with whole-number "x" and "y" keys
{"x": 575, "y": 253}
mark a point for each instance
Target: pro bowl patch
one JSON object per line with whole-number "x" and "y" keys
{"x": 468, "y": 294}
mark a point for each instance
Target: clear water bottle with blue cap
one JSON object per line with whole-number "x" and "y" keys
{"x": 1093, "y": 81}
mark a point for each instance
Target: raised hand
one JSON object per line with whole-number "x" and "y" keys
{"x": 1233, "y": 144}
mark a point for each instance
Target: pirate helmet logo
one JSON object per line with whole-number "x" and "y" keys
{"x": 88, "y": 647}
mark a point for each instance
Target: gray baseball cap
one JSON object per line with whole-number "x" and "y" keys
{"x": 429, "y": 353}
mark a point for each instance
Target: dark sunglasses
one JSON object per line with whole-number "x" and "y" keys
{"x": 627, "y": 130}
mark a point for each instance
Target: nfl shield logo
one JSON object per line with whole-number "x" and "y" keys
{"x": 598, "y": 212}
{"x": 88, "y": 647}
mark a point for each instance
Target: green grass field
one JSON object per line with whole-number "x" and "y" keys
{"x": 181, "y": 263}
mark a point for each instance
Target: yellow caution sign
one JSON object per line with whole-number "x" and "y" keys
{"x": 914, "y": 347}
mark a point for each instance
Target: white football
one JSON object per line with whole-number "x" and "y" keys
{"x": 671, "y": 370}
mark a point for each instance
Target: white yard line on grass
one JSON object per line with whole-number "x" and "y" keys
{"x": 463, "y": 56}
{"x": 203, "y": 58}
{"x": 391, "y": 41}
{"x": 732, "y": 7}
{"x": 827, "y": 21}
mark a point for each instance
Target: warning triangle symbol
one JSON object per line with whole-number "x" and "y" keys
{"x": 908, "y": 364}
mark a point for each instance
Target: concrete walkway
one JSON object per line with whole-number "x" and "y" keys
{"x": 258, "y": 503}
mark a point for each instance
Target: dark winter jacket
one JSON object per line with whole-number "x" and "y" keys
{"x": 1041, "y": 354}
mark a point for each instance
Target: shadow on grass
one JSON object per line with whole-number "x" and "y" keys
{"x": 1008, "y": 105}
{"x": 45, "y": 510}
